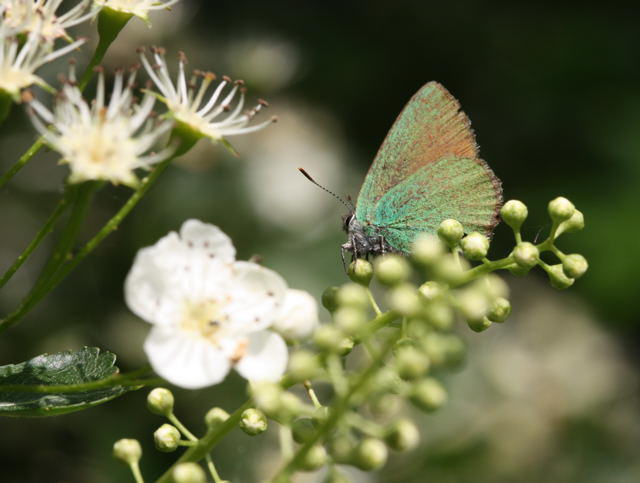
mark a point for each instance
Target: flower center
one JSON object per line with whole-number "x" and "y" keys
{"x": 204, "y": 318}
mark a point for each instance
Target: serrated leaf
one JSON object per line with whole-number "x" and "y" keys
{"x": 43, "y": 374}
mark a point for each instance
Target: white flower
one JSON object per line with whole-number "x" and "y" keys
{"x": 18, "y": 62}
{"x": 26, "y": 16}
{"x": 210, "y": 312}
{"x": 139, "y": 8}
{"x": 299, "y": 315}
{"x": 215, "y": 116}
{"x": 99, "y": 140}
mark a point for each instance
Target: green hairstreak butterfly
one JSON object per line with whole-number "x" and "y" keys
{"x": 427, "y": 170}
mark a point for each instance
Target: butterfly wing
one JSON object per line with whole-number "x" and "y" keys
{"x": 427, "y": 170}
{"x": 452, "y": 187}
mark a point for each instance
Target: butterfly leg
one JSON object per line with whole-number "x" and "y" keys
{"x": 382, "y": 244}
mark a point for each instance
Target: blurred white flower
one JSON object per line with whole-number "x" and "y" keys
{"x": 215, "y": 116}
{"x": 19, "y": 61}
{"x": 26, "y": 16}
{"x": 100, "y": 140}
{"x": 299, "y": 316}
{"x": 139, "y": 8}
{"x": 210, "y": 312}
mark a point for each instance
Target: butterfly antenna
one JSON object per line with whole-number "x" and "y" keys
{"x": 349, "y": 205}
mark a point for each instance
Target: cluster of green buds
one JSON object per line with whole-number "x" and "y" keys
{"x": 343, "y": 397}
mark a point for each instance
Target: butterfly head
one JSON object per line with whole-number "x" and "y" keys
{"x": 347, "y": 220}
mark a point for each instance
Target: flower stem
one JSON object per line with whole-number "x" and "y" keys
{"x": 373, "y": 302}
{"x": 44, "y": 231}
{"x": 24, "y": 159}
{"x": 135, "y": 470}
{"x": 212, "y": 470}
{"x": 312, "y": 394}
{"x": 183, "y": 429}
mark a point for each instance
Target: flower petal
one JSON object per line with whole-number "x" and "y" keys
{"x": 184, "y": 360}
{"x": 209, "y": 239}
{"x": 265, "y": 358}
{"x": 255, "y": 297}
{"x": 299, "y": 315}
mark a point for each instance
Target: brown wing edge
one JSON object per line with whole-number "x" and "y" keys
{"x": 497, "y": 186}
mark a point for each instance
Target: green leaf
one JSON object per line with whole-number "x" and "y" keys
{"x": 54, "y": 384}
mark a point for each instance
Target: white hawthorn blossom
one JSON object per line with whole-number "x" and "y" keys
{"x": 215, "y": 115}
{"x": 19, "y": 61}
{"x": 299, "y": 316}
{"x": 139, "y": 8}
{"x": 100, "y": 140}
{"x": 27, "y": 16}
{"x": 209, "y": 312}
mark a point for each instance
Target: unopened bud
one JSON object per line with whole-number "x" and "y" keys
{"x": 411, "y": 363}
{"x": 479, "y": 325}
{"x": 427, "y": 250}
{"x": 451, "y": 232}
{"x": 328, "y": 337}
{"x": 574, "y": 265}
{"x": 403, "y": 435}
{"x": 405, "y": 299}
{"x": 215, "y": 417}
{"x": 475, "y": 246}
{"x": 514, "y": 212}
{"x": 188, "y": 473}
{"x": 349, "y": 319}
{"x": 352, "y": 295}
{"x": 526, "y": 255}
{"x": 558, "y": 278}
{"x": 370, "y": 454}
{"x": 253, "y": 421}
{"x": 160, "y": 401}
{"x": 341, "y": 449}
{"x": 361, "y": 272}
{"x": 166, "y": 438}
{"x": 472, "y": 303}
{"x": 500, "y": 310}
{"x": 266, "y": 396}
{"x": 127, "y": 450}
{"x": 428, "y": 394}
{"x": 315, "y": 458}
{"x": 573, "y": 224}
{"x": 329, "y": 301}
{"x": 303, "y": 429}
{"x": 392, "y": 269}
{"x": 561, "y": 209}
{"x": 303, "y": 365}
{"x": 431, "y": 290}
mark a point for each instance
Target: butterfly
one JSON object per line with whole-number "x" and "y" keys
{"x": 427, "y": 170}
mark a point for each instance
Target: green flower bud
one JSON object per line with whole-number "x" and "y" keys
{"x": 166, "y": 438}
{"x": 345, "y": 346}
{"x": 428, "y": 394}
{"x": 493, "y": 286}
{"x": 341, "y": 449}
{"x": 160, "y": 401}
{"x": 475, "y": 246}
{"x": 352, "y": 295}
{"x": 360, "y": 271}
{"x": 518, "y": 271}
{"x": 451, "y": 232}
{"x": 427, "y": 250}
{"x": 403, "y": 435}
{"x": 290, "y": 406}
{"x": 329, "y": 299}
{"x": 328, "y": 337}
{"x": 370, "y": 454}
{"x": 320, "y": 415}
{"x": 303, "y": 429}
{"x": 572, "y": 225}
{"x": 188, "y": 473}
{"x": 253, "y": 421}
{"x": 392, "y": 269}
{"x": 526, "y": 255}
{"x": 384, "y": 405}
{"x": 411, "y": 363}
{"x": 500, "y": 310}
{"x": 472, "y": 303}
{"x": 266, "y": 396}
{"x": 335, "y": 476}
{"x": 431, "y": 290}
{"x": 405, "y": 299}
{"x": 479, "y": 325}
{"x": 127, "y": 450}
{"x": 349, "y": 319}
{"x": 449, "y": 269}
{"x": 514, "y": 212}
{"x": 315, "y": 458}
{"x": 574, "y": 265}
{"x": 557, "y": 277}
{"x": 561, "y": 209}
{"x": 215, "y": 417}
{"x": 454, "y": 349}
{"x": 303, "y": 365}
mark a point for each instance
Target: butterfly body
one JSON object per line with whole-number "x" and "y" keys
{"x": 427, "y": 170}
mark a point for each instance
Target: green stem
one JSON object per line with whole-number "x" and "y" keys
{"x": 312, "y": 394}
{"x": 44, "y": 231}
{"x": 135, "y": 470}
{"x": 335, "y": 414}
{"x": 373, "y": 302}
{"x": 208, "y": 441}
{"x": 183, "y": 429}
{"x": 213, "y": 470}
{"x": 24, "y": 159}
{"x": 33, "y": 298}
{"x": 485, "y": 268}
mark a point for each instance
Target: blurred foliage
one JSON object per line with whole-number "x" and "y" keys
{"x": 553, "y": 92}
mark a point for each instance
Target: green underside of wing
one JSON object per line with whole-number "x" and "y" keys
{"x": 462, "y": 189}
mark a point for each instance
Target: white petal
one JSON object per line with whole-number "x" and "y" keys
{"x": 256, "y": 295}
{"x": 184, "y": 359}
{"x": 265, "y": 358}
{"x": 299, "y": 315}
{"x": 209, "y": 239}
